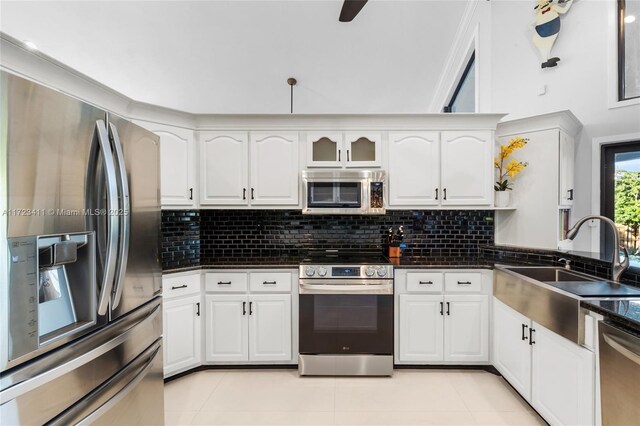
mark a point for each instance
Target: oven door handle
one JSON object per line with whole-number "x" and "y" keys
{"x": 346, "y": 289}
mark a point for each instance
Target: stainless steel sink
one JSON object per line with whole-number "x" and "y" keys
{"x": 550, "y": 274}
{"x": 534, "y": 292}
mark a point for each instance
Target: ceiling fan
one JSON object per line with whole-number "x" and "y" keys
{"x": 350, "y": 8}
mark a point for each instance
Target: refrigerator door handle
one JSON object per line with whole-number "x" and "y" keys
{"x": 103, "y": 398}
{"x": 113, "y": 224}
{"x": 59, "y": 370}
{"x": 122, "y": 215}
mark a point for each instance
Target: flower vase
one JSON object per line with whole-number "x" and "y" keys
{"x": 502, "y": 198}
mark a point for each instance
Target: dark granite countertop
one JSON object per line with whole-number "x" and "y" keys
{"x": 623, "y": 311}
{"x": 404, "y": 262}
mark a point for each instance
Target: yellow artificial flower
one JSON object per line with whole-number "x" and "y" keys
{"x": 515, "y": 167}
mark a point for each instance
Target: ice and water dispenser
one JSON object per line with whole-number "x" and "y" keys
{"x": 52, "y": 289}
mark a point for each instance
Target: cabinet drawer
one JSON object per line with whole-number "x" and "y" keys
{"x": 174, "y": 286}
{"x": 226, "y": 282}
{"x": 424, "y": 282}
{"x": 463, "y": 281}
{"x": 262, "y": 282}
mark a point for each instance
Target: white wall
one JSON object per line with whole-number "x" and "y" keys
{"x": 581, "y": 82}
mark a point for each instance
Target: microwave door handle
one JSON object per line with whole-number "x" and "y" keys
{"x": 101, "y": 137}
{"x": 123, "y": 216}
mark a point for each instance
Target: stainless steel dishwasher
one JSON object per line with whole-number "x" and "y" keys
{"x": 619, "y": 375}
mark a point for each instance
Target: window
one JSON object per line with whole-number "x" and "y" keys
{"x": 621, "y": 197}
{"x": 464, "y": 97}
{"x": 628, "y": 49}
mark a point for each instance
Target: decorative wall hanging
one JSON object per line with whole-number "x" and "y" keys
{"x": 547, "y": 27}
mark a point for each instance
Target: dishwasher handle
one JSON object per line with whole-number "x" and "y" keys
{"x": 626, "y": 348}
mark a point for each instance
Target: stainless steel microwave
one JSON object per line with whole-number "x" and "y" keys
{"x": 343, "y": 192}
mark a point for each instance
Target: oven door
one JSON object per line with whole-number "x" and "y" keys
{"x": 352, "y": 322}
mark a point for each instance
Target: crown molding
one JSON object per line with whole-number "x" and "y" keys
{"x": 563, "y": 120}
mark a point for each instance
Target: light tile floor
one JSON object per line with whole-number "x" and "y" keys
{"x": 281, "y": 397}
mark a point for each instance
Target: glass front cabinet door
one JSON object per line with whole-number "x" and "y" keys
{"x": 348, "y": 149}
{"x": 363, "y": 149}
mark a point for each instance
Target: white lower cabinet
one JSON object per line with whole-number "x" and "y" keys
{"x": 466, "y": 328}
{"x": 562, "y": 383}
{"x": 182, "y": 323}
{"x": 450, "y": 328}
{"x": 227, "y": 328}
{"x": 270, "y": 327}
{"x": 248, "y": 327}
{"x": 421, "y": 328}
{"x": 554, "y": 374}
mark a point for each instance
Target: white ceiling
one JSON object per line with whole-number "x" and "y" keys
{"x": 235, "y": 56}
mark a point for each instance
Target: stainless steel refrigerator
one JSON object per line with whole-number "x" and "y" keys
{"x": 80, "y": 278}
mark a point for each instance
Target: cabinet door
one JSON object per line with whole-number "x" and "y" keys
{"x": 567, "y": 153}
{"x": 177, "y": 164}
{"x": 226, "y": 328}
{"x": 270, "y": 327}
{"x": 414, "y": 168}
{"x": 182, "y": 334}
{"x": 421, "y": 328}
{"x": 466, "y": 328}
{"x": 325, "y": 149}
{"x": 562, "y": 388}
{"x": 274, "y": 168}
{"x": 467, "y": 169}
{"x": 511, "y": 349}
{"x": 363, "y": 149}
{"x": 223, "y": 168}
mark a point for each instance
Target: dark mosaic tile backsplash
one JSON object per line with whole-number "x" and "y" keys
{"x": 274, "y": 233}
{"x": 233, "y": 233}
{"x": 180, "y": 238}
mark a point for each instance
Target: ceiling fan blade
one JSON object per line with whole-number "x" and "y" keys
{"x": 350, "y": 8}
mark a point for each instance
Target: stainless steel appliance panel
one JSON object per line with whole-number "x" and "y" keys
{"x": 50, "y": 137}
{"x": 619, "y": 375}
{"x": 141, "y": 277}
{"x": 345, "y": 365}
{"x": 46, "y": 387}
{"x": 558, "y": 312}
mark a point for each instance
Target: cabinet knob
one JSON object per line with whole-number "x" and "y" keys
{"x": 436, "y": 193}
{"x": 347, "y": 155}
{"x": 244, "y": 193}
{"x": 444, "y": 192}
{"x": 198, "y": 308}
{"x": 191, "y": 193}
{"x": 441, "y": 308}
{"x": 252, "y": 197}
{"x": 570, "y": 194}
{"x": 244, "y": 308}
{"x": 448, "y": 309}
{"x": 339, "y": 151}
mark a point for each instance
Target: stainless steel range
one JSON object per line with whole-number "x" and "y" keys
{"x": 346, "y": 315}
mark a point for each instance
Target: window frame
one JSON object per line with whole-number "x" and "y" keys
{"x": 470, "y": 62}
{"x": 607, "y": 196}
{"x": 621, "y": 64}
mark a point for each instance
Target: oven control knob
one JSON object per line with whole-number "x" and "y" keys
{"x": 382, "y": 271}
{"x": 310, "y": 271}
{"x": 322, "y": 271}
{"x": 370, "y": 271}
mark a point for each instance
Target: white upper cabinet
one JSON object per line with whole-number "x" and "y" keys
{"x": 274, "y": 168}
{"x": 324, "y": 149}
{"x": 414, "y": 168}
{"x": 567, "y": 153}
{"x": 363, "y": 149}
{"x": 223, "y": 168}
{"x": 467, "y": 169}
{"x": 344, "y": 149}
{"x": 177, "y": 165}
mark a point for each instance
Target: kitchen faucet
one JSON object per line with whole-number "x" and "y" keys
{"x": 617, "y": 266}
